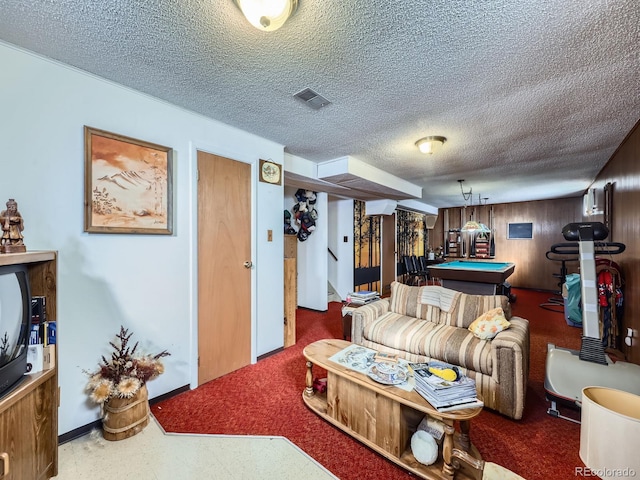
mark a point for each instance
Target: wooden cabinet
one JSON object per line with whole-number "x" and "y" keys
{"x": 29, "y": 414}
{"x": 290, "y": 288}
{"x": 454, "y": 246}
{"x": 481, "y": 245}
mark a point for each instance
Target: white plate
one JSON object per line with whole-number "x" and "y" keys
{"x": 388, "y": 373}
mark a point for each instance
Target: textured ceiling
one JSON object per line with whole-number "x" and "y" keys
{"x": 534, "y": 96}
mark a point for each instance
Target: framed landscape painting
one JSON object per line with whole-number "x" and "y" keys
{"x": 128, "y": 185}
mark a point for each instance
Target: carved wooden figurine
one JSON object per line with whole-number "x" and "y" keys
{"x": 12, "y": 225}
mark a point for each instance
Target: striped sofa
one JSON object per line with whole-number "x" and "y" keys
{"x": 430, "y": 323}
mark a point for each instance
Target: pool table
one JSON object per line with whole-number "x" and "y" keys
{"x": 473, "y": 276}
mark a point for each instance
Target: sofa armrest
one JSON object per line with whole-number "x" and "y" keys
{"x": 364, "y": 316}
{"x": 510, "y": 350}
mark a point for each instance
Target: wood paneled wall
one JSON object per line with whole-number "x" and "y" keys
{"x": 533, "y": 269}
{"x": 623, "y": 171}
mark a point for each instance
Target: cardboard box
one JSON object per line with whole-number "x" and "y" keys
{"x": 49, "y": 357}
{"x": 35, "y": 358}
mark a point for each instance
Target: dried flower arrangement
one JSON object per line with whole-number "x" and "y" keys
{"x": 125, "y": 373}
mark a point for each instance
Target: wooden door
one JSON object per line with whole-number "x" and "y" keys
{"x": 224, "y": 282}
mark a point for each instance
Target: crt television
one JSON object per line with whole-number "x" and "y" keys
{"x": 15, "y": 321}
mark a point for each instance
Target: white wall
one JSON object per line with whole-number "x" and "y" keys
{"x": 269, "y": 263}
{"x": 312, "y": 255}
{"x": 144, "y": 282}
{"x": 340, "y": 226}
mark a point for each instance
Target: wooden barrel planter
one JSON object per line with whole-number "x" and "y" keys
{"x": 124, "y": 417}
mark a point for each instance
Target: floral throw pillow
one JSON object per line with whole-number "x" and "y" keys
{"x": 489, "y": 324}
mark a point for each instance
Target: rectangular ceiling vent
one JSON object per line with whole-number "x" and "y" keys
{"x": 311, "y": 98}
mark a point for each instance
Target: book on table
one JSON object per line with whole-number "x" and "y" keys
{"x": 360, "y": 301}
{"x": 362, "y": 297}
{"x": 365, "y": 294}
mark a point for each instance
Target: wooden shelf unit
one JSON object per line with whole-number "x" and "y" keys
{"x": 454, "y": 247}
{"x": 482, "y": 245}
{"x": 29, "y": 413}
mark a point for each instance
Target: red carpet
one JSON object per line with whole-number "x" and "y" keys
{"x": 265, "y": 399}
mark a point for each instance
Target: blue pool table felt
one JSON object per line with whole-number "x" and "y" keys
{"x": 473, "y": 265}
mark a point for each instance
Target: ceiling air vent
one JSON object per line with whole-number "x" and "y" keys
{"x": 311, "y": 98}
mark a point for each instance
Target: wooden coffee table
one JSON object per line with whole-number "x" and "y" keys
{"x": 383, "y": 417}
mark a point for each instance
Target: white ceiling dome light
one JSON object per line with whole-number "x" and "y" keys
{"x": 430, "y": 144}
{"x": 267, "y": 15}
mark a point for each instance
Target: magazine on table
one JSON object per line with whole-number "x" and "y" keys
{"x": 461, "y": 406}
{"x": 423, "y": 375}
{"x": 365, "y": 294}
{"x": 444, "y": 394}
{"x": 361, "y": 301}
{"x": 447, "y": 394}
{"x": 439, "y": 401}
{"x": 469, "y": 400}
{"x": 437, "y": 383}
{"x": 363, "y": 297}
{"x": 355, "y": 299}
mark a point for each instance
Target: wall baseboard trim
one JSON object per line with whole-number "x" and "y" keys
{"x": 168, "y": 395}
{"x": 85, "y": 429}
{"x": 268, "y": 354}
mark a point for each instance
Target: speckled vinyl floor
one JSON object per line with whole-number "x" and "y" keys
{"x": 155, "y": 455}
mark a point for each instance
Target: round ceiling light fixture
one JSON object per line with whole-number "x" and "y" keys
{"x": 430, "y": 144}
{"x": 267, "y": 15}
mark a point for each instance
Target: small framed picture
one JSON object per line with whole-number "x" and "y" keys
{"x": 128, "y": 185}
{"x": 270, "y": 172}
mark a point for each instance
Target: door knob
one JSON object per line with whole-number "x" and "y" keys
{"x": 248, "y": 264}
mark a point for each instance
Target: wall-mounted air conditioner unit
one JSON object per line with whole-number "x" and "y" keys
{"x": 592, "y": 205}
